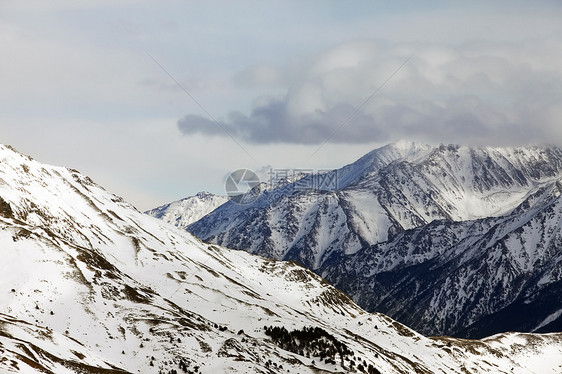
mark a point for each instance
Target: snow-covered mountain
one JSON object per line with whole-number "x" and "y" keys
{"x": 391, "y": 189}
{"x": 90, "y": 285}
{"x": 471, "y": 278}
{"x": 445, "y": 224}
{"x": 184, "y": 212}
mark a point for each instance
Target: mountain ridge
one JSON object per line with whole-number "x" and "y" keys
{"x": 383, "y": 193}
{"x": 183, "y": 212}
{"x": 444, "y": 261}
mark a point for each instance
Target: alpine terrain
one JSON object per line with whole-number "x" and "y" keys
{"x": 90, "y": 285}
{"x": 184, "y": 212}
{"x": 452, "y": 240}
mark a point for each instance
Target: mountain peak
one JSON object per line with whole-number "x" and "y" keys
{"x": 202, "y": 194}
{"x": 407, "y": 147}
{"x": 184, "y": 212}
{"x": 7, "y": 150}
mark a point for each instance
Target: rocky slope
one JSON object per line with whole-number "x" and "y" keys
{"x": 471, "y": 278}
{"x": 91, "y": 285}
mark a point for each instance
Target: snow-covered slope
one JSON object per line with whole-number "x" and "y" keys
{"x": 91, "y": 285}
{"x": 184, "y": 212}
{"x": 471, "y": 278}
{"x": 397, "y": 187}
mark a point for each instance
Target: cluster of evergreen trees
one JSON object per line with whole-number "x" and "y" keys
{"x": 309, "y": 342}
{"x": 315, "y": 342}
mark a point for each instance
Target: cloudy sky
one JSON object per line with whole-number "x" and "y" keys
{"x": 157, "y": 100}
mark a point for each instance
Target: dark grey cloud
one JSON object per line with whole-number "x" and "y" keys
{"x": 462, "y": 120}
{"x": 271, "y": 123}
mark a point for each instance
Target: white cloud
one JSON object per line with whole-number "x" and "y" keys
{"x": 487, "y": 92}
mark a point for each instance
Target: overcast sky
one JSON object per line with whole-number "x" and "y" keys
{"x": 130, "y": 92}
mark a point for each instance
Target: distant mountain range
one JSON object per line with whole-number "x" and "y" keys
{"x": 452, "y": 240}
